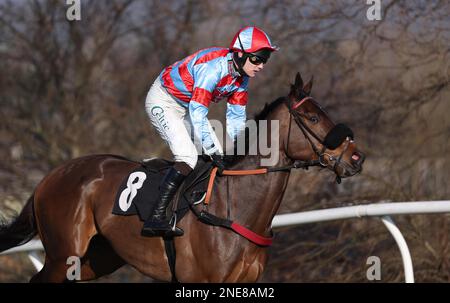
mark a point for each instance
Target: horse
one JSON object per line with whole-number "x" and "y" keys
{"x": 71, "y": 208}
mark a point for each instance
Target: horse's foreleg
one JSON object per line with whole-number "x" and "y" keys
{"x": 99, "y": 260}
{"x": 52, "y": 272}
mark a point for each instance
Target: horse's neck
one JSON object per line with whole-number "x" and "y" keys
{"x": 258, "y": 197}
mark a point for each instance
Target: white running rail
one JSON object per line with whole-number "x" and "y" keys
{"x": 382, "y": 210}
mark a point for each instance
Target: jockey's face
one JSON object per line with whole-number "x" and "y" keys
{"x": 251, "y": 69}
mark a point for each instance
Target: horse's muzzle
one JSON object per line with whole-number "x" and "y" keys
{"x": 357, "y": 160}
{"x": 354, "y": 167}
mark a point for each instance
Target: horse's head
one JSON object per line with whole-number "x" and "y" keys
{"x": 313, "y": 136}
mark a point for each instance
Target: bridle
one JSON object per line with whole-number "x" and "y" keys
{"x": 208, "y": 218}
{"x": 205, "y": 217}
{"x": 308, "y": 133}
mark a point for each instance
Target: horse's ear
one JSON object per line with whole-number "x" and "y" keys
{"x": 308, "y": 86}
{"x": 298, "y": 81}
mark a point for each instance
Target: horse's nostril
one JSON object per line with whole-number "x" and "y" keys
{"x": 358, "y": 158}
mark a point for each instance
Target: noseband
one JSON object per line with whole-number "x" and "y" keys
{"x": 333, "y": 139}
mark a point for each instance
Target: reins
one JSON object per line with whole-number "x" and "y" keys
{"x": 208, "y": 218}
{"x": 260, "y": 171}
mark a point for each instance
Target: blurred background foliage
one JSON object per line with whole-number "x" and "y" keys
{"x": 74, "y": 88}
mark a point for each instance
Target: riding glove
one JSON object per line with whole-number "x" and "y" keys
{"x": 218, "y": 161}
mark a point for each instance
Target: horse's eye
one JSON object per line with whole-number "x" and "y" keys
{"x": 314, "y": 119}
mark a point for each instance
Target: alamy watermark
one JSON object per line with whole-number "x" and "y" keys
{"x": 73, "y": 12}
{"x": 74, "y": 270}
{"x": 374, "y": 11}
{"x": 257, "y": 141}
{"x": 373, "y": 273}
{"x": 261, "y": 138}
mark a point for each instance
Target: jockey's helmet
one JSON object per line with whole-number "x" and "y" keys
{"x": 252, "y": 41}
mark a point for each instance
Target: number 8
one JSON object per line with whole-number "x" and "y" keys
{"x": 129, "y": 193}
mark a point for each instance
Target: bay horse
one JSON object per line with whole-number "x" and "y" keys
{"x": 70, "y": 208}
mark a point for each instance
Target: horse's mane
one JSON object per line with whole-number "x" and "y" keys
{"x": 269, "y": 107}
{"x": 262, "y": 115}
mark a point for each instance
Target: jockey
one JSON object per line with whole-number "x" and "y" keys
{"x": 178, "y": 101}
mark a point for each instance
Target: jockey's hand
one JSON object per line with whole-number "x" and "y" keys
{"x": 218, "y": 161}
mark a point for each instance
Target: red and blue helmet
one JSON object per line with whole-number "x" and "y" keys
{"x": 251, "y": 39}
{"x": 254, "y": 43}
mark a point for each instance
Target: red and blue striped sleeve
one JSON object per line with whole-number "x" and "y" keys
{"x": 206, "y": 78}
{"x": 236, "y": 110}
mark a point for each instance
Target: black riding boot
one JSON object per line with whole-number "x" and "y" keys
{"x": 157, "y": 224}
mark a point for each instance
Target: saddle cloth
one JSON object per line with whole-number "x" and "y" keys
{"x": 139, "y": 191}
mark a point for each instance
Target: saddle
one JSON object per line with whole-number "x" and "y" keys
{"x": 139, "y": 191}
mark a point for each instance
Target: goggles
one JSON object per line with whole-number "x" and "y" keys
{"x": 255, "y": 60}
{"x": 261, "y": 56}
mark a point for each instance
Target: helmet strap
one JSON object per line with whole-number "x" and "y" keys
{"x": 242, "y": 47}
{"x": 240, "y": 61}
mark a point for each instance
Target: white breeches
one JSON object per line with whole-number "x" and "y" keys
{"x": 173, "y": 124}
